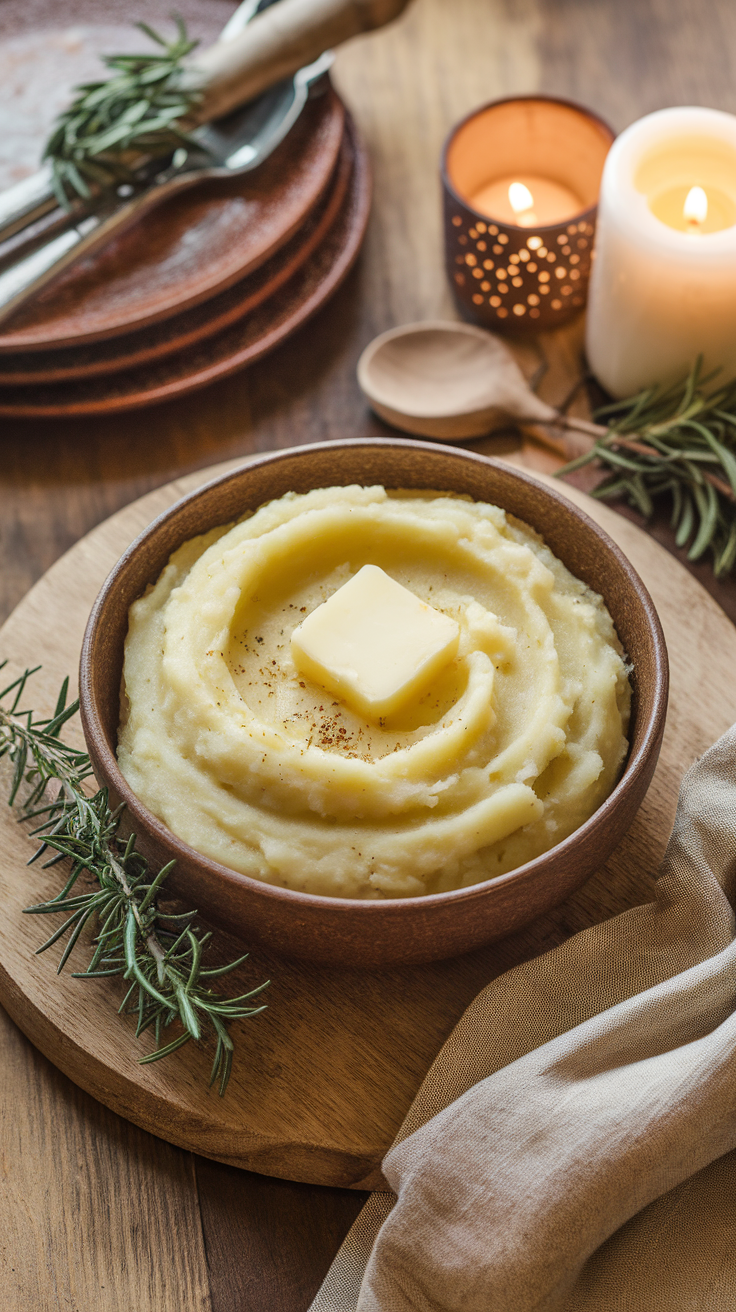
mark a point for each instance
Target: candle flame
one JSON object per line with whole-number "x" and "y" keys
{"x": 695, "y": 209}
{"x": 520, "y": 197}
{"x": 522, "y": 203}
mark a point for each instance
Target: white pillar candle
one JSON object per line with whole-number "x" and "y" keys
{"x": 663, "y": 285}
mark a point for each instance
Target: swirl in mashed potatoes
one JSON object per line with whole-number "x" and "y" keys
{"x": 514, "y": 746}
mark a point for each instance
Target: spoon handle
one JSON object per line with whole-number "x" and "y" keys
{"x": 538, "y": 430}
{"x": 580, "y": 425}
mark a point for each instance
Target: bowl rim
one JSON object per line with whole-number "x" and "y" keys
{"x": 587, "y": 213}
{"x": 636, "y": 762}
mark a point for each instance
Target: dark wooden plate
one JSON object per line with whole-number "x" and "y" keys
{"x": 240, "y": 344}
{"x": 158, "y": 340}
{"x": 187, "y": 249}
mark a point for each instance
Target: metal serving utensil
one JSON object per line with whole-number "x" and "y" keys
{"x": 28, "y": 201}
{"x": 225, "y": 149}
{"x": 264, "y": 42}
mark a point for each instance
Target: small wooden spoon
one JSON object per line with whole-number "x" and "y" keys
{"x": 451, "y": 381}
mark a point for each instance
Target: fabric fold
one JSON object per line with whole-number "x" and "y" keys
{"x": 577, "y": 1098}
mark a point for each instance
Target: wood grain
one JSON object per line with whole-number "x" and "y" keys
{"x": 108, "y": 1176}
{"x": 267, "y": 1241}
{"x": 327, "y": 1075}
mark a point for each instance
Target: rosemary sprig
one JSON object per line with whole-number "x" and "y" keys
{"x": 161, "y": 954}
{"x": 680, "y": 443}
{"x": 139, "y": 109}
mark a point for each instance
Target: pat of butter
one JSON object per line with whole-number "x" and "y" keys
{"x": 374, "y": 643}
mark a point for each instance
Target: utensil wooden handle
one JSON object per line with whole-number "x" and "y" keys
{"x": 279, "y": 41}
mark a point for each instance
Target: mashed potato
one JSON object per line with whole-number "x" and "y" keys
{"x": 516, "y": 743}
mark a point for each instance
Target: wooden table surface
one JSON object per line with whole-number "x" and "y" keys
{"x": 97, "y": 1216}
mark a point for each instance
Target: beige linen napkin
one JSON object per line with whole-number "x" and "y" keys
{"x": 566, "y": 1150}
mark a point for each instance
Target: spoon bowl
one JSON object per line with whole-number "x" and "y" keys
{"x": 447, "y": 380}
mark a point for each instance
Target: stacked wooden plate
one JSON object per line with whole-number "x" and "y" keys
{"x": 206, "y": 282}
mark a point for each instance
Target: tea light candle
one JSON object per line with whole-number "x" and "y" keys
{"x": 521, "y": 179}
{"x": 663, "y": 286}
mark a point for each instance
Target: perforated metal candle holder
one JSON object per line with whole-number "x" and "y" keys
{"x": 506, "y": 276}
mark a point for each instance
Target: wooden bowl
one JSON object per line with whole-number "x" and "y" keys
{"x": 342, "y": 931}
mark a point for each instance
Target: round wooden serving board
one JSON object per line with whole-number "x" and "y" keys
{"x": 323, "y": 1078}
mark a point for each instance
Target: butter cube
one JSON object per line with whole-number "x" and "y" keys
{"x": 374, "y": 643}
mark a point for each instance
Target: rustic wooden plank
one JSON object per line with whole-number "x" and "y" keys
{"x": 58, "y": 479}
{"x": 95, "y": 1214}
{"x": 628, "y": 59}
{"x": 284, "y": 1234}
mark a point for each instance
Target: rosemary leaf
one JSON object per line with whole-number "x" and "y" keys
{"x": 678, "y": 443}
{"x": 110, "y": 126}
{"x": 135, "y": 940}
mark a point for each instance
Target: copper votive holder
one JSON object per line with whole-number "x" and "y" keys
{"x": 512, "y": 277}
